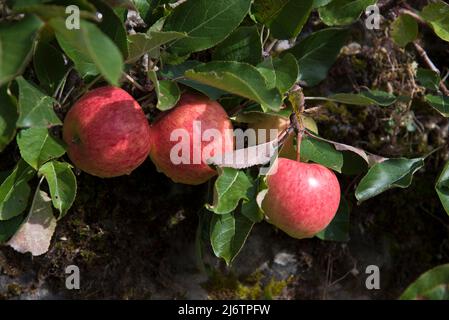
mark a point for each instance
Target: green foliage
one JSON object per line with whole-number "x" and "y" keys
{"x": 343, "y": 12}
{"x": 432, "y": 285}
{"x": 208, "y": 23}
{"x": 317, "y": 53}
{"x": 17, "y": 38}
{"x": 86, "y": 47}
{"x": 167, "y": 91}
{"x": 404, "y": 30}
{"x": 442, "y": 187}
{"x": 437, "y": 15}
{"x": 62, "y": 183}
{"x": 14, "y": 191}
{"x": 338, "y": 229}
{"x": 440, "y": 103}
{"x": 386, "y": 175}
{"x": 227, "y": 50}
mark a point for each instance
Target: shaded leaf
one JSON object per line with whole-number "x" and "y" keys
{"x": 14, "y": 191}
{"x": 243, "y": 45}
{"x": 8, "y": 117}
{"x": 112, "y": 25}
{"x": 442, "y": 187}
{"x": 228, "y": 233}
{"x": 404, "y": 30}
{"x": 35, "y": 234}
{"x": 49, "y": 74}
{"x": 388, "y": 174}
{"x": 440, "y": 103}
{"x": 62, "y": 184}
{"x": 37, "y": 146}
{"x": 16, "y": 42}
{"x": 317, "y": 53}
{"x": 428, "y": 78}
{"x": 291, "y": 18}
{"x": 338, "y": 229}
{"x": 437, "y": 14}
{"x": 343, "y": 12}
{"x": 9, "y": 227}
{"x": 433, "y": 284}
{"x": 250, "y": 208}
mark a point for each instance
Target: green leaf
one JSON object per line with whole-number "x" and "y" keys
{"x": 142, "y": 43}
{"x": 14, "y": 191}
{"x": 250, "y": 208}
{"x": 112, "y": 26}
{"x": 281, "y": 73}
{"x": 48, "y": 74}
{"x": 437, "y": 14}
{"x": 442, "y": 187}
{"x": 243, "y": 45}
{"x": 8, "y": 118}
{"x": 90, "y": 49}
{"x": 365, "y": 98}
{"x": 37, "y": 146}
{"x": 167, "y": 92}
{"x": 388, "y": 174}
{"x": 205, "y": 22}
{"x": 62, "y": 184}
{"x": 35, "y": 234}
{"x": 338, "y": 229}
{"x": 433, "y": 284}
{"x": 230, "y": 187}
{"x": 266, "y": 10}
{"x": 291, "y": 18}
{"x": 321, "y": 152}
{"x": 317, "y": 53}
{"x": 320, "y": 3}
{"x": 428, "y": 78}
{"x": 9, "y": 227}
{"x": 16, "y": 42}
{"x": 228, "y": 233}
{"x": 440, "y": 103}
{"x": 238, "y": 78}
{"x": 343, "y": 12}
{"x": 35, "y": 108}
{"x": 404, "y": 30}
{"x": 176, "y": 73}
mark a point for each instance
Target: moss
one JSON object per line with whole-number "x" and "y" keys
{"x": 252, "y": 287}
{"x": 14, "y": 289}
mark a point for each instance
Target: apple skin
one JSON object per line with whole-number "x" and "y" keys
{"x": 191, "y": 107}
{"x": 267, "y": 122}
{"x": 302, "y": 198}
{"x": 107, "y": 133}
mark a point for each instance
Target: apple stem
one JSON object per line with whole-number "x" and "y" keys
{"x": 298, "y": 109}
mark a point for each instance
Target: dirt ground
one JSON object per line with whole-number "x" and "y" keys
{"x": 133, "y": 237}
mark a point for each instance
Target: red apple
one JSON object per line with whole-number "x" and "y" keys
{"x": 181, "y": 143}
{"x": 302, "y": 198}
{"x": 107, "y": 133}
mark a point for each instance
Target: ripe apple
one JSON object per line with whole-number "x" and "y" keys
{"x": 181, "y": 147}
{"x": 107, "y": 133}
{"x": 302, "y": 198}
{"x": 267, "y": 122}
